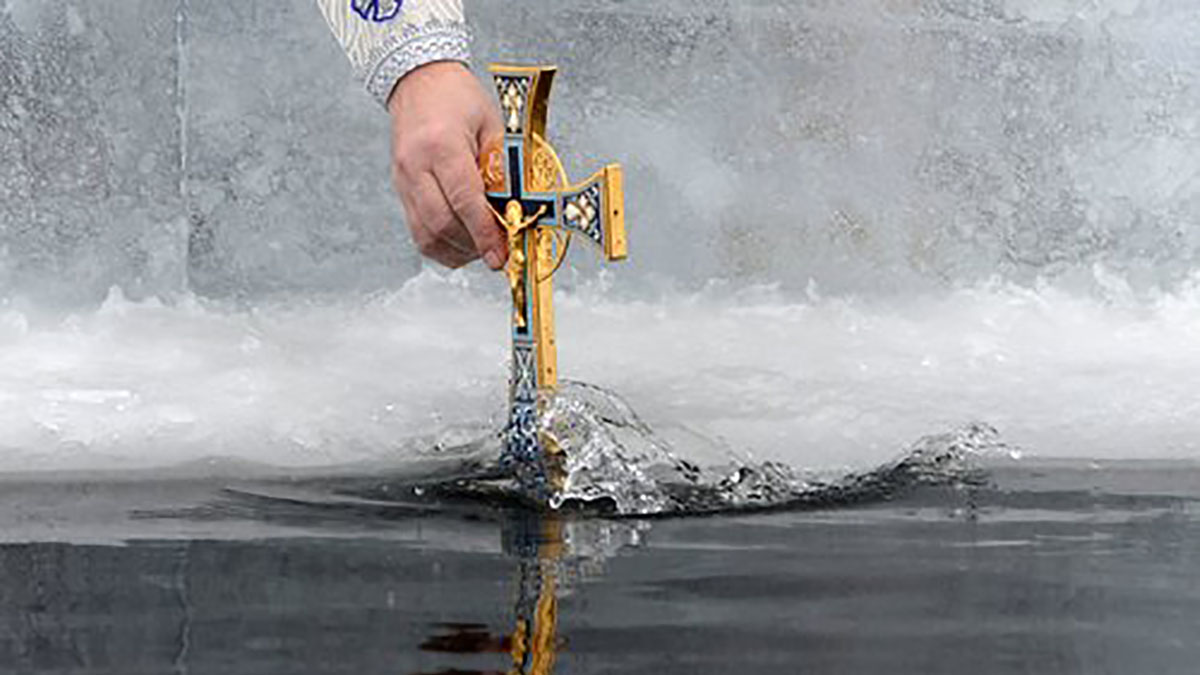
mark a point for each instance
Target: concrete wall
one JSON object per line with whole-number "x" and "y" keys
{"x": 871, "y": 145}
{"x": 89, "y": 148}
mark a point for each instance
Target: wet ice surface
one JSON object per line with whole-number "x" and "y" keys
{"x": 1047, "y": 567}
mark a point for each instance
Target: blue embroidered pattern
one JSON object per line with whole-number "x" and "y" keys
{"x": 379, "y": 11}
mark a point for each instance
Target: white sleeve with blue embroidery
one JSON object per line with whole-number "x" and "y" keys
{"x": 385, "y": 39}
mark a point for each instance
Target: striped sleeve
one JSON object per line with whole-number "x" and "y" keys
{"x": 385, "y": 39}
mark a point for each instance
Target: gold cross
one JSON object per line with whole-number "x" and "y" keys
{"x": 541, "y": 211}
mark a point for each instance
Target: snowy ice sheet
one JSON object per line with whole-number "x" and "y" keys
{"x": 819, "y": 383}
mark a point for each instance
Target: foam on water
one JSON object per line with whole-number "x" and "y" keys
{"x": 822, "y": 383}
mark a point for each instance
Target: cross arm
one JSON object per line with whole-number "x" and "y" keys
{"x": 595, "y": 208}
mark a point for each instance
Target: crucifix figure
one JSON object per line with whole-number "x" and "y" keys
{"x": 541, "y": 211}
{"x": 515, "y": 227}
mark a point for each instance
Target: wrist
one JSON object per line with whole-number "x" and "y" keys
{"x": 426, "y": 75}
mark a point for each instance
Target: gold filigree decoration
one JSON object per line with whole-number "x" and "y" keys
{"x": 491, "y": 168}
{"x": 554, "y": 246}
{"x": 543, "y": 170}
{"x": 546, "y": 172}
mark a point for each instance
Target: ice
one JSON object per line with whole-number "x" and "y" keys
{"x": 819, "y": 384}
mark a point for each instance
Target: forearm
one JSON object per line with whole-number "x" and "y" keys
{"x": 386, "y": 39}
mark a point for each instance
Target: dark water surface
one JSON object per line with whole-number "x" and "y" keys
{"x": 1053, "y": 569}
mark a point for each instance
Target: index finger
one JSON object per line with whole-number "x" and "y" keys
{"x": 458, "y": 176}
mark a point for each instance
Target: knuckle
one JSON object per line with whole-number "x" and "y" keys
{"x": 435, "y": 131}
{"x": 411, "y": 152}
{"x": 430, "y": 141}
{"x": 404, "y": 165}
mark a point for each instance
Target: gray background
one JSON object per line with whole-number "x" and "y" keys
{"x": 871, "y": 146}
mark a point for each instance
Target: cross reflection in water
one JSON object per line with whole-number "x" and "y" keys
{"x": 549, "y": 549}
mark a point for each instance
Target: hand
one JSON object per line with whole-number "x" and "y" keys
{"x": 441, "y": 118}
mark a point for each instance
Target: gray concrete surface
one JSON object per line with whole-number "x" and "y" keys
{"x": 874, "y": 145}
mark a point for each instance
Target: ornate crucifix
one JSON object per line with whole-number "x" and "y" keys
{"x": 541, "y": 211}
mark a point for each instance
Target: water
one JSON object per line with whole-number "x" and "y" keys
{"x": 1050, "y": 567}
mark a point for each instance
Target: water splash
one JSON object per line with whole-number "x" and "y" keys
{"x": 615, "y": 461}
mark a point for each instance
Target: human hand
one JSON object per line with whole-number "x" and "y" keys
{"x": 441, "y": 118}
